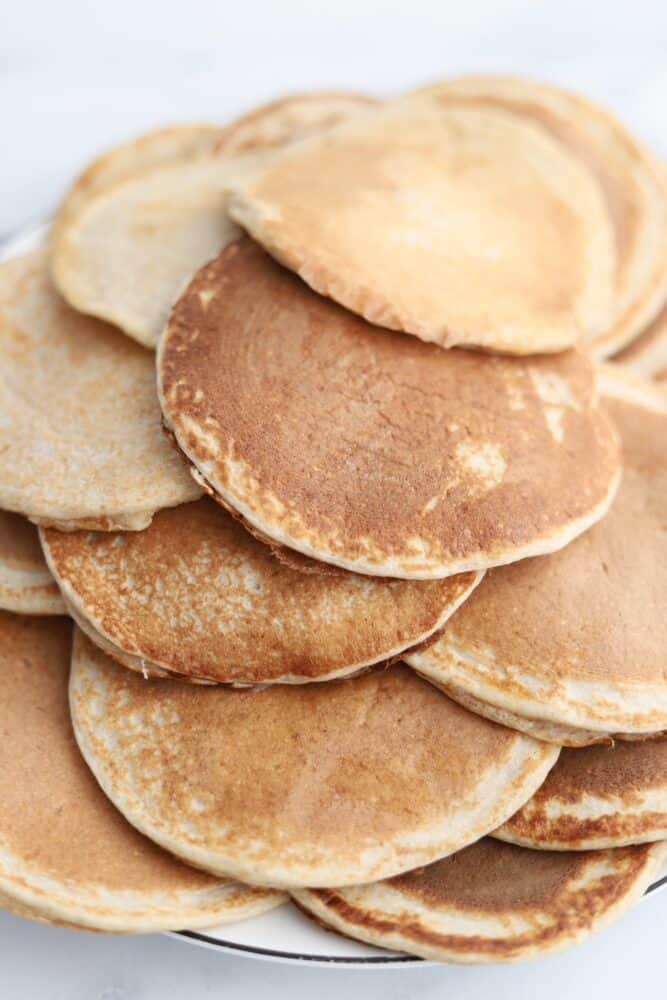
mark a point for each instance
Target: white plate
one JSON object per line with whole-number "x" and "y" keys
{"x": 283, "y": 934}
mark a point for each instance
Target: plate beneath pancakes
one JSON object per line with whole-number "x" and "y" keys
{"x": 283, "y": 934}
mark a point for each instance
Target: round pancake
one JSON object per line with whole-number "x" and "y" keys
{"x": 412, "y": 462}
{"x": 125, "y": 254}
{"x": 288, "y": 119}
{"x": 80, "y": 436}
{"x": 460, "y": 225}
{"x": 161, "y": 147}
{"x": 647, "y": 355}
{"x": 207, "y": 600}
{"x": 595, "y": 797}
{"x": 26, "y": 584}
{"x": 577, "y": 640}
{"x": 66, "y": 854}
{"x": 491, "y": 902}
{"x": 318, "y": 784}
{"x": 630, "y": 178}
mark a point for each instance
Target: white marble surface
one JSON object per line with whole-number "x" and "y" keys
{"x": 76, "y": 76}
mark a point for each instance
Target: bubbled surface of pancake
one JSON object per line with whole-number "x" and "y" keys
{"x": 491, "y": 902}
{"x": 371, "y": 450}
{"x": 579, "y": 638}
{"x": 80, "y": 433}
{"x": 65, "y": 851}
{"x": 26, "y": 585}
{"x": 631, "y": 180}
{"x": 195, "y": 593}
{"x": 315, "y": 784}
{"x": 459, "y": 225}
{"x": 596, "y": 797}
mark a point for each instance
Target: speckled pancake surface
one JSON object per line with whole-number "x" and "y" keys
{"x": 66, "y": 854}
{"x": 601, "y": 796}
{"x": 631, "y": 180}
{"x": 316, "y": 784}
{"x": 196, "y": 594}
{"x": 647, "y": 355}
{"x": 459, "y": 225}
{"x": 80, "y": 432}
{"x": 577, "y": 640}
{"x": 26, "y": 584}
{"x": 371, "y": 450}
{"x": 491, "y": 902}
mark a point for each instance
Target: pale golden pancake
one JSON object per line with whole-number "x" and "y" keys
{"x": 647, "y": 355}
{"x": 317, "y": 784}
{"x": 460, "y": 225}
{"x": 631, "y": 180}
{"x": 80, "y": 436}
{"x": 572, "y": 646}
{"x": 371, "y": 450}
{"x": 26, "y": 583}
{"x": 606, "y": 796}
{"x": 492, "y": 902}
{"x": 195, "y": 594}
{"x": 66, "y": 854}
{"x": 124, "y": 252}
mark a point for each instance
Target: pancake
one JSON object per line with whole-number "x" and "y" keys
{"x": 460, "y": 225}
{"x": 631, "y": 180}
{"x": 195, "y": 594}
{"x": 318, "y": 784}
{"x": 596, "y": 797}
{"x": 647, "y": 355}
{"x": 26, "y": 584}
{"x": 577, "y": 640}
{"x": 125, "y": 254}
{"x": 492, "y": 902}
{"x": 459, "y": 462}
{"x": 80, "y": 437}
{"x": 66, "y": 854}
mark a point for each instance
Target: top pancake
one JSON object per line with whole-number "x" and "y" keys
{"x": 647, "y": 355}
{"x": 80, "y": 435}
{"x": 207, "y": 600}
{"x": 318, "y": 784}
{"x": 371, "y": 450}
{"x": 26, "y": 585}
{"x": 459, "y": 225}
{"x": 596, "y": 797}
{"x": 578, "y": 639}
{"x": 631, "y": 180}
{"x": 66, "y": 854}
{"x": 492, "y": 902}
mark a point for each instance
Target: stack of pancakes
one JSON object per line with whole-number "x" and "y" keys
{"x": 308, "y": 423}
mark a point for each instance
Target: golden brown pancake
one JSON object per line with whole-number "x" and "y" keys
{"x": 605, "y": 796}
{"x": 66, "y": 854}
{"x": 647, "y": 355}
{"x": 577, "y": 640}
{"x": 195, "y": 594}
{"x": 80, "y": 436}
{"x": 458, "y": 224}
{"x": 26, "y": 584}
{"x": 371, "y": 450}
{"x": 491, "y": 902}
{"x": 630, "y": 178}
{"x": 317, "y": 784}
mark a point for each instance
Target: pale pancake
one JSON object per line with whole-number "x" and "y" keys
{"x": 197, "y": 595}
{"x": 317, "y": 784}
{"x": 371, "y": 450}
{"x": 80, "y": 435}
{"x": 492, "y": 902}
{"x": 597, "y": 797}
{"x": 66, "y": 854}
{"x": 577, "y": 640}
{"x": 26, "y": 584}
{"x": 125, "y": 254}
{"x": 647, "y": 355}
{"x": 459, "y": 225}
{"x": 631, "y": 179}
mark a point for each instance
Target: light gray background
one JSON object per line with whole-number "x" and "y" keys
{"x": 75, "y": 77}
